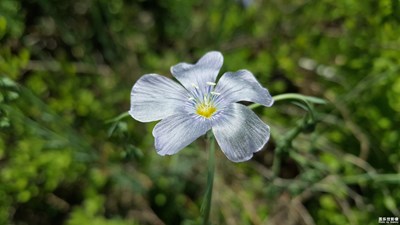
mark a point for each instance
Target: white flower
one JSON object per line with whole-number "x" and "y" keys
{"x": 189, "y": 109}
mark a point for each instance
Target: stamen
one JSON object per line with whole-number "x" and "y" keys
{"x": 191, "y": 98}
{"x": 195, "y": 86}
{"x": 215, "y": 93}
{"x": 211, "y": 83}
{"x": 205, "y": 110}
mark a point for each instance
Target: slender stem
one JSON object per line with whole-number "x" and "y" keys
{"x": 299, "y": 97}
{"x": 206, "y": 207}
{"x": 292, "y": 96}
{"x": 284, "y": 144}
{"x": 286, "y": 141}
{"x": 119, "y": 117}
{"x": 276, "y": 164}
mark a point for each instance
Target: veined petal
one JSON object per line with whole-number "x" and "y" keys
{"x": 241, "y": 86}
{"x": 154, "y": 97}
{"x": 177, "y": 131}
{"x": 239, "y": 132}
{"x": 197, "y": 75}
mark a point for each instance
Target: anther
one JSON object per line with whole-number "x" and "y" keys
{"x": 215, "y": 93}
{"x": 195, "y": 86}
{"x": 211, "y": 83}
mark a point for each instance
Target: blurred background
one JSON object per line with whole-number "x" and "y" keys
{"x": 67, "y": 69}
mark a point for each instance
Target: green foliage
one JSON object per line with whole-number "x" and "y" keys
{"x": 66, "y": 70}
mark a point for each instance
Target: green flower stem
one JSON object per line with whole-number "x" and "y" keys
{"x": 299, "y": 97}
{"x": 206, "y": 206}
{"x": 293, "y": 96}
{"x": 282, "y": 147}
{"x": 276, "y": 163}
{"x": 119, "y": 117}
{"x": 285, "y": 143}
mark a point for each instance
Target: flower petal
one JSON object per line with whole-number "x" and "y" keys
{"x": 241, "y": 86}
{"x": 197, "y": 75}
{"x": 177, "y": 131}
{"x": 239, "y": 132}
{"x": 155, "y": 97}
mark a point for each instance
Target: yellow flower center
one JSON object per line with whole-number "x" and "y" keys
{"x": 205, "y": 110}
{"x": 205, "y": 104}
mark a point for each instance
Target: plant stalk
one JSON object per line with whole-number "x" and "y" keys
{"x": 206, "y": 206}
